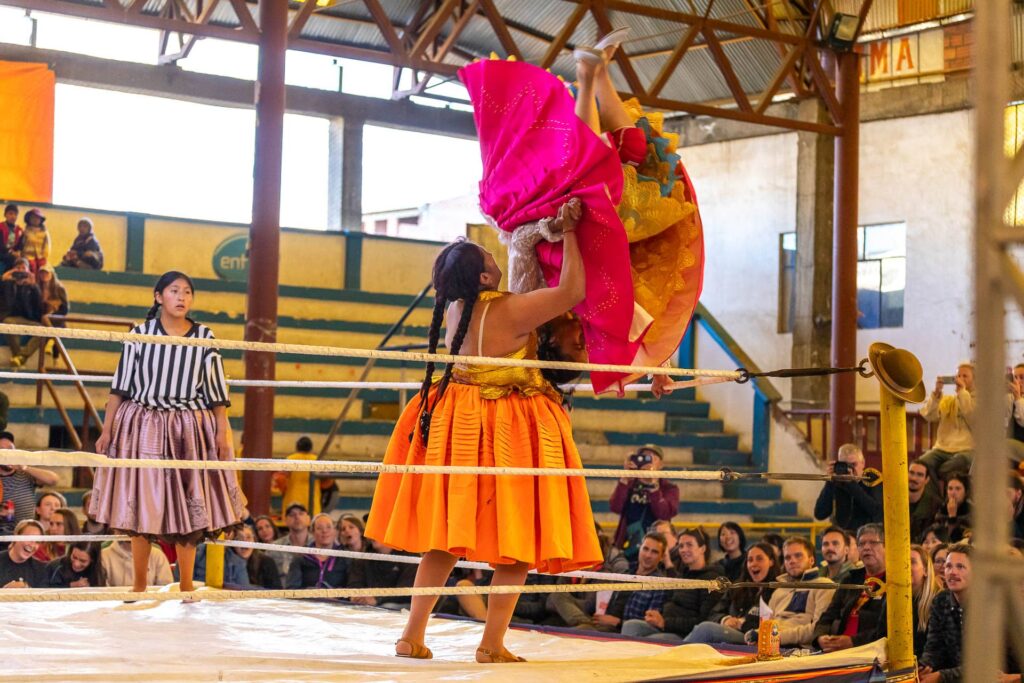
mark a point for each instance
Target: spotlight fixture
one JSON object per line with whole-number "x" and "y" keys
{"x": 842, "y": 34}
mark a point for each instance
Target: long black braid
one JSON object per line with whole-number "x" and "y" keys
{"x": 456, "y": 276}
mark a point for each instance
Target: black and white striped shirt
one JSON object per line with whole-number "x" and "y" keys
{"x": 171, "y": 377}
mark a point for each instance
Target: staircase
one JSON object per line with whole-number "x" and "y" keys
{"x": 607, "y": 429}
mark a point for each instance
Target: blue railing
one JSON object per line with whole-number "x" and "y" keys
{"x": 764, "y": 393}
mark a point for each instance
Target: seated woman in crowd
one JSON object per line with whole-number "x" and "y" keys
{"x": 733, "y": 544}
{"x": 938, "y": 554}
{"x": 319, "y": 571}
{"x": 956, "y": 508}
{"x": 80, "y": 567}
{"x": 266, "y": 530}
{"x": 261, "y": 569}
{"x": 62, "y": 522}
{"x": 924, "y": 587}
{"x": 350, "y": 533}
{"x": 381, "y": 574}
{"x": 85, "y": 251}
{"x": 739, "y": 611}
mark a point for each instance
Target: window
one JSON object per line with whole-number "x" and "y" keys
{"x": 787, "y": 281}
{"x": 881, "y": 276}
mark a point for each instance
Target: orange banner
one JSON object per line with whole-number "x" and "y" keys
{"x": 26, "y": 131}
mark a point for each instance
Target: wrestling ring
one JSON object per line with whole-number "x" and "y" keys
{"x": 92, "y": 634}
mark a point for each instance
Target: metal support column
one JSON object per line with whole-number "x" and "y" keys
{"x": 844, "y": 252}
{"x": 264, "y": 244}
{"x": 995, "y": 581}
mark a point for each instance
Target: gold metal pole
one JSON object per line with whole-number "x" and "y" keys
{"x": 899, "y": 598}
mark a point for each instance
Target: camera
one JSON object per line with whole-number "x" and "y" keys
{"x": 947, "y": 379}
{"x": 641, "y": 458}
{"x": 19, "y": 275}
{"x": 841, "y": 467}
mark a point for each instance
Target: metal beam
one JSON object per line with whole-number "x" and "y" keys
{"x": 173, "y": 82}
{"x": 265, "y": 245}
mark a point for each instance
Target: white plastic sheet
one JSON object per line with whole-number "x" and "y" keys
{"x": 265, "y": 640}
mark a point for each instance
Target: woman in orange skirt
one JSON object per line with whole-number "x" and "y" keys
{"x": 487, "y": 416}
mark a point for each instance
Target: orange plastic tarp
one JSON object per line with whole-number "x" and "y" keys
{"x": 26, "y": 131}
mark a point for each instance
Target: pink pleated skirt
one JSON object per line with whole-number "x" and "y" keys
{"x": 182, "y": 506}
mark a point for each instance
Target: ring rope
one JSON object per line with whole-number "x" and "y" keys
{"x": 291, "y": 384}
{"x": 84, "y": 595}
{"x": 337, "y": 351}
{"x": 83, "y": 459}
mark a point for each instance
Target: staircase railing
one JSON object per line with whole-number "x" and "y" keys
{"x": 765, "y": 393}
{"x": 814, "y": 423}
{"x": 79, "y": 437}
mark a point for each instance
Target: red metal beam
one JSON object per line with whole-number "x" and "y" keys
{"x": 264, "y": 245}
{"x": 558, "y": 42}
{"x": 844, "y": 251}
{"x": 437, "y": 22}
{"x": 731, "y": 79}
{"x": 500, "y": 29}
{"x": 673, "y": 61}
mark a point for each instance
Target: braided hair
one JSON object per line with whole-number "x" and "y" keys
{"x": 456, "y": 276}
{"x": 165, "y": 281}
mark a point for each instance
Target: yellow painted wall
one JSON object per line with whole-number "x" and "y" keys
{"x": 307, "y": 259}
{"x": 397, "y": 266}
{"x": 110, "y": 229}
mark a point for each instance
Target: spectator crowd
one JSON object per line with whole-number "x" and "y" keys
{"x": 644, "y": 542}
{"x": 30, "y": 290}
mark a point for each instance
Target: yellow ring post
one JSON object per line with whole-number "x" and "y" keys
{"x": 898, "y": 589}
{"x": 215, "y": 565}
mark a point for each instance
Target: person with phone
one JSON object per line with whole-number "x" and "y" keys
{"x": 641, "y": 501}
{"x": 850, "y": 504}
{"x": 954, "y": 443}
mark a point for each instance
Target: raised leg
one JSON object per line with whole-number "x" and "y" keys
{"x": 434, "y": 570}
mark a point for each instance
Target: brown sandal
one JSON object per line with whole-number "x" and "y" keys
{"x": 503, "y": 656}
{"x": 416, "y": 651}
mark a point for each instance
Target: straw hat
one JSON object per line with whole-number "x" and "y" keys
{"x": 899, "y": 370}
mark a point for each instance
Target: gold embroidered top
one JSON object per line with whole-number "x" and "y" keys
{"x": 496, "y": 381}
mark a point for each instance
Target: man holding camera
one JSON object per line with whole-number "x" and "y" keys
{"x": 21, "y": 303}
{"x": 954, "y": 442}
{"x": 850, "y": 504}
{"x": 642, "y": 501}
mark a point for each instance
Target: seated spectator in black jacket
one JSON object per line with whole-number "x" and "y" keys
{"x": 319, "y": 571}
{"x": 733, "y": 544}
{"x": 380, "y": 574}
{"x": 955, "y": 511}
{"x": 850, "y": 504}
{"x": 85, "y": 251}
{"x": 21, "y": 303}
{"x": 855, "y": 617}
{"x": 739, "y": 611}
{"x": 80, "y": 567}
{"x": 260, "y": 567}
{"x": 1015, "y": 493}
{"x": 18, "y": 569}
{"x": 943, "y": 649}
{"x": 683, "y": 609}
{"x": 924, "y": 500}
{"x": 578, "y": 610}
{"x": 626, "y": 605}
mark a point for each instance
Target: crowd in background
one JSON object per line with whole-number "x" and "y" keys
{"x": 644, "y": 542}
{"x": 30, "y": 290}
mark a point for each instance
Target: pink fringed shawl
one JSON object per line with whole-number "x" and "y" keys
{"x": 536, "y": 155}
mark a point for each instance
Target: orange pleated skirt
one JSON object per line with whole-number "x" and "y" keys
{"x": 545, "y": 522}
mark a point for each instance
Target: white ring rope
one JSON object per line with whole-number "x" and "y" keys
{"x": 87, "y": 595}
{"x": 353, "y": 555}
{"x": 336, "y": 351}
{"x": 82, "y": 459}
{"x": 295, "y": 384}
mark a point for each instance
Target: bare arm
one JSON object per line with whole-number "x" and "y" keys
{"x": 42, "y": 477}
